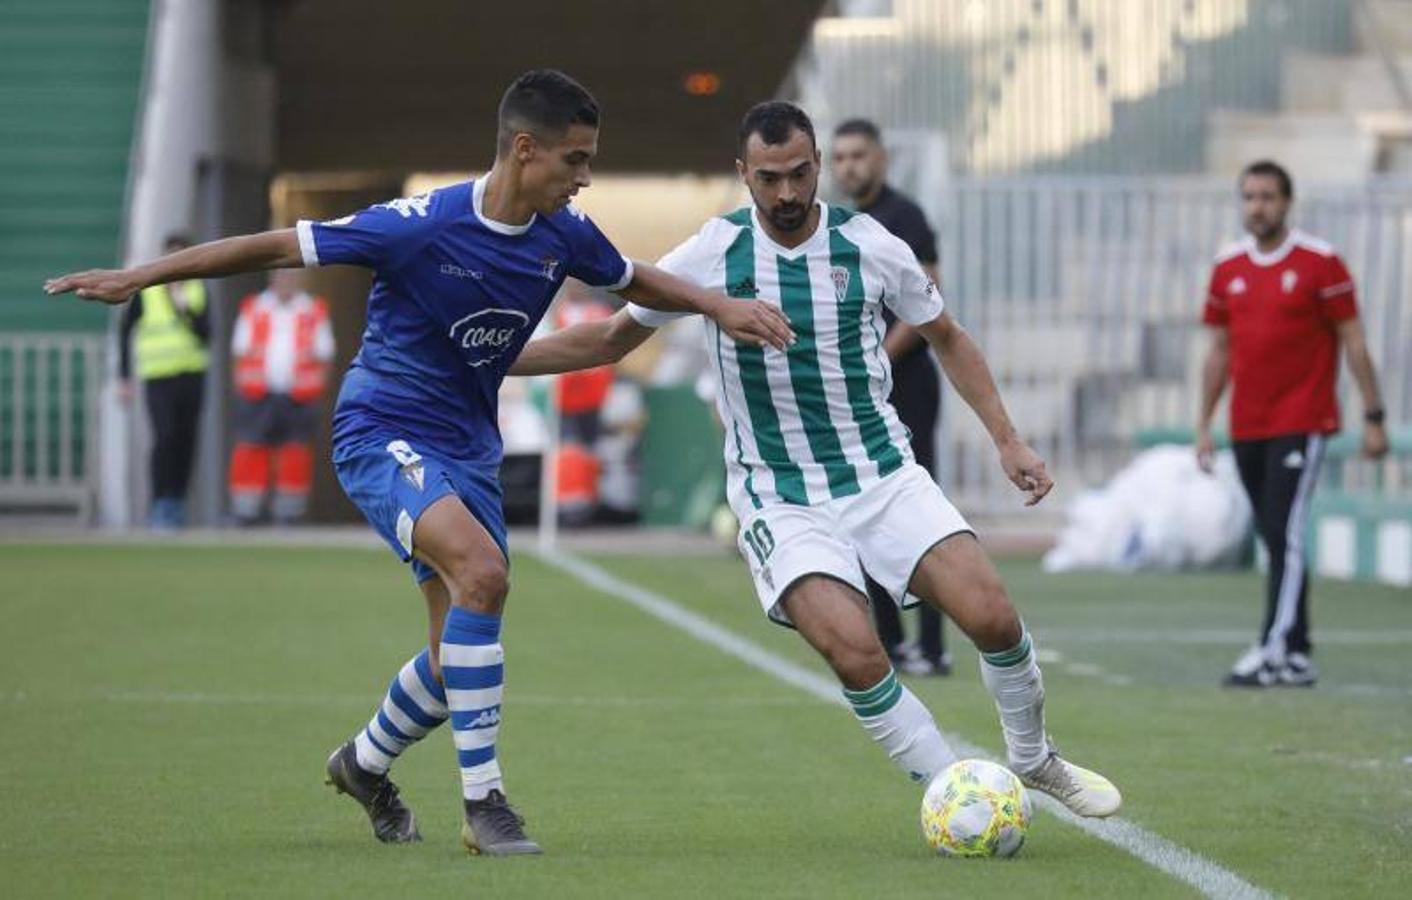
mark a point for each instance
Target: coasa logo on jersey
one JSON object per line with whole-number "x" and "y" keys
{"x": 486, "y": 335}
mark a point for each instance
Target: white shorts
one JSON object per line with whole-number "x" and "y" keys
{"x": 885, "y": 530}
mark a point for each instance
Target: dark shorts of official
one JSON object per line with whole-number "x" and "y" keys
{"x": 275, "y": 419}
{"x": 393, "y": 481}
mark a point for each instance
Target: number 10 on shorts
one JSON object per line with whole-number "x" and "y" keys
{"x": 760, "y": 541}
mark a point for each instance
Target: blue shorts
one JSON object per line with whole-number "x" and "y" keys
{"x": 393, "y": 484}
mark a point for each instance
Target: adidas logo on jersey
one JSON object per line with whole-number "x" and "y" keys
{"x": 745, "y": 287}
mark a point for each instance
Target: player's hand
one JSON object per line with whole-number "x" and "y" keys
{"x": 755, "y": 322}
{"x": 1375, "y": 443}
{"x": 105, "y": 285}
{"x": 1205, "y": 451}
{"x": 1025, "y": 469}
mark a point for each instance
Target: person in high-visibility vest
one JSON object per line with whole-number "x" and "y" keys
{"x": 282, "y": 350}
{"x": 166, "y": 329}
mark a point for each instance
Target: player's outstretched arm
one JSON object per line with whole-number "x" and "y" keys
{"x": 582, "y": 346}
{"x": 753, "y": 322}
{"x": 966, "y": 368}
{"x": 247, "y": 253}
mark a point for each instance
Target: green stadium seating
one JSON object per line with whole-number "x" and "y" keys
{"x": 70, "y": 82}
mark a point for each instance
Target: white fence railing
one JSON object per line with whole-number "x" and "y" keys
{"x": 1086, "y": 293}
{"x": 48, "y": 422}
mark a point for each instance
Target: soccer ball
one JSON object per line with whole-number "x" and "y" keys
{"x": 975, "y": 808}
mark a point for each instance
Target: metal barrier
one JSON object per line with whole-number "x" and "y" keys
{"x": 1085, "y": 294}
{"x": 49, "y": 423}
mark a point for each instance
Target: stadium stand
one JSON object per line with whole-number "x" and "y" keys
{"x": 70, "y": 79}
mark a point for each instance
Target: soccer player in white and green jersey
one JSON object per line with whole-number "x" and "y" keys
{"x": 820, "y": 473}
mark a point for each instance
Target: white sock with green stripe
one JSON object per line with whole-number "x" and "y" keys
{"x": 1014, "y": 680}
{"x": 901, "y": 725}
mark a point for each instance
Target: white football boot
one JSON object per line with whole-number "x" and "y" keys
{"x": 1085, "y": 793}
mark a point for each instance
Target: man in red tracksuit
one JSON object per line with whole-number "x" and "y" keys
{"x": 1281, "y": 305}
{"x": 282, "y": 349}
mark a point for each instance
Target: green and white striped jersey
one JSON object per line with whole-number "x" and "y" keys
{"x": 814, "y": 423}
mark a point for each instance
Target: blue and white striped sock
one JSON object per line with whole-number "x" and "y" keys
{"x": 415, "y": 704}
{"x": 473, "y": 667}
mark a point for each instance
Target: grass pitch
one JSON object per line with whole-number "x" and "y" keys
{"x": 167, "y": 711}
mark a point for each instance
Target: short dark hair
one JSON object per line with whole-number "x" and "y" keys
{"x": 864, "y": 127}
{"x": 544, "y": 102}
{"x": 774, "y": 121}
{"x": 1273, "y": 170}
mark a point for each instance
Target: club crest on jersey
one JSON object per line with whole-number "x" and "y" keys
{"x": 1237, "y": 285}
{"x": 1288, "y": 279}
{"x": 840, "y": 278}
{"x": 550, "y": 266}
{"x": 486, "y": 335}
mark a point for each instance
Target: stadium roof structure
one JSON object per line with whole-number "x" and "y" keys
{"x": 362, "y": 87}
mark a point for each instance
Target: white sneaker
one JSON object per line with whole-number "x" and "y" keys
{"x": 1084, "y": 792}
{"x": 1298, "y": 671}
{"x": 1250, "y": 662}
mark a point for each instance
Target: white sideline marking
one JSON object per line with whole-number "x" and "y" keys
{"x": 1055, "y": 660}
{"x": 1204, "y": 875}
{"x": 1349, "y": 637}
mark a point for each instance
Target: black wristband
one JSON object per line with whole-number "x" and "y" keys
{"x": 1375, "y": 416}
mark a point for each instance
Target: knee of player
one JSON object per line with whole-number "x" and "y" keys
{"x": 480, "y": 581}
{"x": 859, "y": 664}
{"x": 998, "y": 627}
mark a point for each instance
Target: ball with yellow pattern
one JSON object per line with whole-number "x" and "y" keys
{"x": 975, "y": 808}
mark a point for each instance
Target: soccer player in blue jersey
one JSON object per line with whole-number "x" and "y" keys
{"x": 463, "y": 276}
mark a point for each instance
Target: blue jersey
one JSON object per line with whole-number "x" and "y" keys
{"x": 455, "y": 297}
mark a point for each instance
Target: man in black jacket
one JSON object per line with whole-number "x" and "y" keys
{"x": 860, "y": 171}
